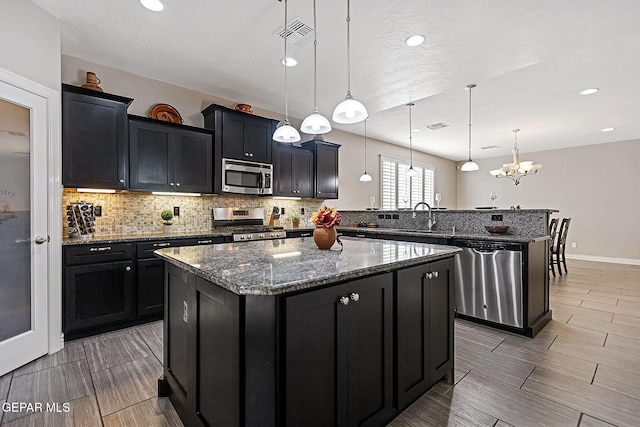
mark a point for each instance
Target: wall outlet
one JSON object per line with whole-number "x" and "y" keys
{"x": 282, "y": 211}
{"x": 97, "y": 210}
{"x": 176, "y": 211}
{"x": 496, "y": 217}
{"x": 301, "y": 211}
{"x": 574, "y": 245}
{"x": 185, "y": 312}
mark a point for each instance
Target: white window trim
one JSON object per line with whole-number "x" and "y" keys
{"x": 383, "y": 157}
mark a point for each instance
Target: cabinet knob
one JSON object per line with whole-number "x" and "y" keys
{"x": 250, "y": 154}
{"x": 344, "y": 301}
{"x": 319, "y": 192}
{"x": 355, "y": 297}
{"x": 171, "y": 184}
{"x": 127, "y": 268}
{"x": 246, "y": 154}
{"x": 178, "y": 184}
{"x": 435, "y": 274}
{"x": 122, "y": 181}
{"x": 428, "y": 275}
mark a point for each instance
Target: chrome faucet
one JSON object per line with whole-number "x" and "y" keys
{"x": 430, "y": 220}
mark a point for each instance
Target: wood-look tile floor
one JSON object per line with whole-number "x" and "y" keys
{"x": 583, "y": 369}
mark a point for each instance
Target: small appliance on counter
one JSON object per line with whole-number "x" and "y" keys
{"x": 274, "y": 220}
{"x": 246, "y": 224}
{"x": 81, "y": 219}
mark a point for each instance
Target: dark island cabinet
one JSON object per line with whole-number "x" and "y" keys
{"x": 94, "y": 139}
{"x": 339, "y": 363}
{"x": 167, "y": 157}
{"x": 294, "y": 172}
{"x": 326, "y": 168}
{"x": 425, "y": 302}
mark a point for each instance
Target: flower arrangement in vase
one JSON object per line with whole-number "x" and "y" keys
{"x": 325, "y": 219}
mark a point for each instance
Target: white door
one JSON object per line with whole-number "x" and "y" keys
{"x": 23, "y": 227}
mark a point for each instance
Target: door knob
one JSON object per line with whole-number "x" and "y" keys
{"x": 40, "y": 240}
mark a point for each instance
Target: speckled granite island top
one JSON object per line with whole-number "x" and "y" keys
{"x": 279, "y": 266}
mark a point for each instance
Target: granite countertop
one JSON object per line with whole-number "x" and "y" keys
{"x": 448, "y": 234}
{"x": 275, "y": 267}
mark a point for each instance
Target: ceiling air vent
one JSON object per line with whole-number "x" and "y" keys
{"x": 300, "y": 34}
{"x": 438, "y": 126}
{"x": 489, "y": 147}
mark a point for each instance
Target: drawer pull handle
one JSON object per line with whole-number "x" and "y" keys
{"x": 305, "y": 235}
{"x": 160, "y": 245}
{"x": 204, "y": 242}
{"x": 105, "y": 248}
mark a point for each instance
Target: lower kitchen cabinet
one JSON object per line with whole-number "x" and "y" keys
{"x": 424, "y": 307}
{"x": 98, "y": 287}
{"x": 339, "y": 354}
{"x": 150, "y": 279}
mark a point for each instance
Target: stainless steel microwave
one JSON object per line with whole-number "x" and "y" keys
{"x": 243, "y": 177}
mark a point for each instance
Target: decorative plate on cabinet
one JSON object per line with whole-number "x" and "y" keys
{"x": 166, "y": 113}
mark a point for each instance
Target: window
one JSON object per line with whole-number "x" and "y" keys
{"x": 398, "y": 191}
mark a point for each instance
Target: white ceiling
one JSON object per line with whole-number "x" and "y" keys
{"x": 529, "y": 59}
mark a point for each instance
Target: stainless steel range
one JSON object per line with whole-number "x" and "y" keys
{"x": 245, "y": 224}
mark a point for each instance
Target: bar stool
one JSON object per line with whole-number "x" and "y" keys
{"x": 557, "y": 252}
{"x": 553, "y": 231}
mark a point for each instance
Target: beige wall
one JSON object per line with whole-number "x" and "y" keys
{"x": 598, "y": 186}
{"x": 30, "y": 42}
{"x": 353, "y": 194}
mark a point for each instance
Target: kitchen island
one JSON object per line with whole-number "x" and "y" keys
{"x": 281, "y": 333}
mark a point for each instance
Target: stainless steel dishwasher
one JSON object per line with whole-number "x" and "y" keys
{"x": 489, "y": 281}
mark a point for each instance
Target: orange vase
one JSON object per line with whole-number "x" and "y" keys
{"x": 324, "y": 237}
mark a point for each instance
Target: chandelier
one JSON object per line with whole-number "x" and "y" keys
{"x": 517, "y": 169}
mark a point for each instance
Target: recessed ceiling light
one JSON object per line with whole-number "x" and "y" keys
{"x": 589, "y": 91}
{"x": 289, "y": 62}
{"x": 415, "y": 40}
{"x": 153, "y": 5}
{"x": 607, "y": 129}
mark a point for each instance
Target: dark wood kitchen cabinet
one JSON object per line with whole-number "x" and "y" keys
{"x": 293, "y": 171}
{"x": 425, "y": 303}
{"x": 98, "y": 289}
{"x": 169, "y": 157}
{"x": 242, "y": 136}
{"x": 94, "y": 139}
{"x": 339, "y": 354}
{"x": 326, "y": 168}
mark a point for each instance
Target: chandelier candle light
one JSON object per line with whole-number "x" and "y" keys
{"x": 365, "y": 177}
{"x": 411, "y": 172}
{"x": 517, "y": 169}
{"x": 315, "y": 123}
{"x": 349, "y": 111}
{"x": 470, "y": 165}
{"x": 286, "y": 133}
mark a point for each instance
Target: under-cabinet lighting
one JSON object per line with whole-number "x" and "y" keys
{"x": 95, "y": 190}
{"x": 286, "y": 198}
{"x": 287, "y": 255}
{"x": 169, "y": 193}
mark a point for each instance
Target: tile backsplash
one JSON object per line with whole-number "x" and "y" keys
{"x": 140, "y": 212}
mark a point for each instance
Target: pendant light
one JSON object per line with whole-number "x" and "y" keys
{"x": 411, "y": 172}
{"x": 517, "y": 169}
{"x": 470, "y": 165}
{"x": 349, "y": 111}
{"x": 315, "y": 123}
{"x": 365, "y": 177}
{"x": 286, "y": 133}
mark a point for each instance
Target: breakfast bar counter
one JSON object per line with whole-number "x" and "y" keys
{"x": 280, "y": 332}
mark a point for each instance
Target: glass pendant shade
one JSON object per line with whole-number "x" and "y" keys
{"x": 349, "y": 111}
{"x": 411, "y": 172}
{"x": 469, "y": 166}
{"x": 315, "y": 124}
{"x": 365, "y": 177}
{"x": 286, "y": 133}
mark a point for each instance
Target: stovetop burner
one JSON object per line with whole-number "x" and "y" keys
{"x": 245, "y": 224}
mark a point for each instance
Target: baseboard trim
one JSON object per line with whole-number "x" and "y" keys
{"x": 630, "y": 261}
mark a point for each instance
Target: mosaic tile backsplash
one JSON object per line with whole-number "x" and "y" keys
{"x": 140, "y": 212}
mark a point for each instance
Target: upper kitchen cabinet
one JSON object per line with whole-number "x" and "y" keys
{"x": 293, "y": 171}
{"x": 94, "y": 139}
{"x": 326, "y": 168}
{"x": 169, "y": 157}
{"x": 242, "y": 136}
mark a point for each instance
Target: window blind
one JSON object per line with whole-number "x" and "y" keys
{"x": 399, "y": 191}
